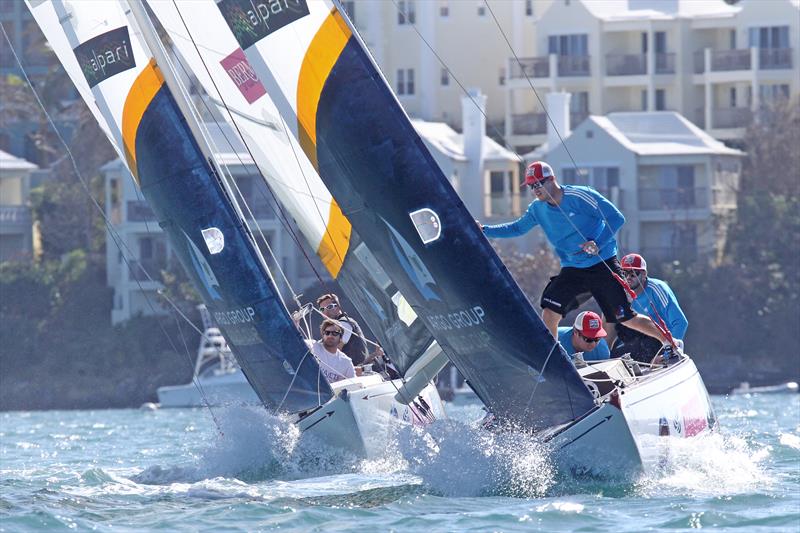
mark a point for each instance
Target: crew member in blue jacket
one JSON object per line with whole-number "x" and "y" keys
{"x": 654, "y": 298}
{"x": 587, "y": 336}
{"x": 581, "y": 225}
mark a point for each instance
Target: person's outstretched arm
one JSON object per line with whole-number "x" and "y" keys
{"x": 515, "y": 228}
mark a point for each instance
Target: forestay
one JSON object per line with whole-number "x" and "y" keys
{"x": 354, "y": 132}
{"x": 213, "y": 57}
{"x": 104, "y": 55}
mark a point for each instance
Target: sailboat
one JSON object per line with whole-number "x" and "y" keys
{"x": 113, "y": 55}
{"x": 331, "y": 97}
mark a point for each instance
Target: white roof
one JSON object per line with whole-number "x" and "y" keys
{"x": 11, "y": 162}
{"x": 650, "y": 133}
{"x": 658, "y": 9}
{"x": 451, "y": 143}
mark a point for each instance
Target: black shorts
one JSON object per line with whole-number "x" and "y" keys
{"x": 567, "y": 291}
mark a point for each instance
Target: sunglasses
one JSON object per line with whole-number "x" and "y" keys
{"x": 587, "y": 339}
{"x": 537, "y": 184}
{"x": 630, "y": 273}
{"x": 328, "y": 307}
{"x": 329, "y": 332}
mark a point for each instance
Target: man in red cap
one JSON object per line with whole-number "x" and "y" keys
{"x": 581, "y": 225}
{"x": 587, "y": 336}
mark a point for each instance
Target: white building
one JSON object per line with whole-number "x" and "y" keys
{"x": 144, "y": 250}
{"x": 674, "y": 183}
{"x": 18, "y": 238}
{"x": 465, "y": 37}
{"x": 712, "y": 62}
{"x": 484, "y": 174}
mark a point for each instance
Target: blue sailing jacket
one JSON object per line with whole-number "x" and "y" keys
{"x": 586, "y": 208}
{"x": 659, "y": 295}
{"x": 599, "y": 353}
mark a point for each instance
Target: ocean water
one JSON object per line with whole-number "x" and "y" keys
{"x": 130, "y": 470}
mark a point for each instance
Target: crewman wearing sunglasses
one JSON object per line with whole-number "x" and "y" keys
{"x": 353, "y": 344}
{"x": 587, "y": 336}
{"x": 333, "y": 364}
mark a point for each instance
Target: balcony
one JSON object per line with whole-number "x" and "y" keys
{"x": 626, "y": 64}
{"x": 530, "y": 67}
{"x": 723, "y": 60}
{"x": 139, "y": 211}
{"x": 528, "y": 124}
{"x": 665, "y": 63}
{"x": 670, "y": 199}
{"x": 573, "y": 66}
{"x": 731, "y": 117}
{"x": 500, "y": 204}
{"x": 678, "y": 252}
{"x": 15, "y": 217}
{"x": 774, "y": 58}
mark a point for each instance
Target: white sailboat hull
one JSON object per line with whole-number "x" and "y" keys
{"x": 628, "y": 433}
{"x": 217, "y": 390}
{"x": 364, "y": 413}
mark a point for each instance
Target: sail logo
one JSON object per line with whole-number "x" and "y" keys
{"x": 106, "y": 55}
{"x": 252, "y": 20}
{"x": 243, "y": 76}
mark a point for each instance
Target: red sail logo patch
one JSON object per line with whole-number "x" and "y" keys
{"x": 243, "y": 75}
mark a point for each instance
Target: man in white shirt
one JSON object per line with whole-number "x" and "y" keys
{"x": 333, "y": 363}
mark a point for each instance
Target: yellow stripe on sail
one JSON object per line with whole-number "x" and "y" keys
{"x": 334, "y": 243}
{"x": 139, "y": 97}
{"x": 321, "y": 56}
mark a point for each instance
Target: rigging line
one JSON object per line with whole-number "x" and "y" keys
{"x": 196, "y": 378}
{"x": 118, "y": 241}
{"x": 276, "y": 203}
{"x": 622, "y": 282}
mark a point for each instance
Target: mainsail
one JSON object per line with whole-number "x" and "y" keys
{"x": 356, "y": 135}
{"x": 213, "y": 57}
{"x": 106, "y": 57}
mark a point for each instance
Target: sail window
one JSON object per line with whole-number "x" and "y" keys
{"x": 215, "y": 240}
{"x": 427, "y": 224}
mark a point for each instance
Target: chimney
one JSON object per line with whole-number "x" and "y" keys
{"x": 473, "y": 124}
{"x": 558, "y": 108}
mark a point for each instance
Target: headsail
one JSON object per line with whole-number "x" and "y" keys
{"x": 102, "y": 51}
{"x": 355, "y": 133}
{"x": 215, "y": 59}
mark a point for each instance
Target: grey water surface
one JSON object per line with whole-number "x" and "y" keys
{"x": 130, "y": 470}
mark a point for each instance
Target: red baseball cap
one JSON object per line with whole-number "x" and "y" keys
{"x": 589, "y": 325}
{"x": 634, "y": 262}
{"x": 537, "y": 171}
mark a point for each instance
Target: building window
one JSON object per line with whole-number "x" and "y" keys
{"x": 350, "y": 8}
{"x": 528, "y": 8}
{"x": 481, "y": 11}
{"x": 499, "y": 193}
{"x": 406, "y": 12}
{"x": 732, "y": 40}
{"x": 444, "y": 11}
{"x": 576, "y": 45}
{"x": 669, "y": 187}
{"x": 733, "y": 96}
{"x": 773, "y": 93}
{"x": 501, "y": 77}
{"x": 445, "y": 78}
{"x": 644, "y": 99}
{"x": 661, "y": 100}
{"x": 769, "y": 37}
{"x": 405, "y": 81}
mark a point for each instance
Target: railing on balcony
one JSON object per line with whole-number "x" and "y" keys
{"x": 723, "y": 60}
{"x": 145, "y": 270}
{"x": 531, "y": 67}
{"x": 528, "y": 124}
{"x": 500, "y": 204}
{"x": 774, "y": 58}
{"x": 15, "y": 215}
{"x": 139, "y": 211}
{"x": 731, "y": 117}
{"x": 626, "y": 64}
{"x": 676, "y": 198}
{"x": 573, "y": 66}
{"x": 665, "y": 63}
{"x": 678, "y": 252}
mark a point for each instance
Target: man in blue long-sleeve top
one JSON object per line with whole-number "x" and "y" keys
{"x": 582, "y": 226}
{"x": 654, "y": 298}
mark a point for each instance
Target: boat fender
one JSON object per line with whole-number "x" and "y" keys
{"x": 344, "y": 395}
